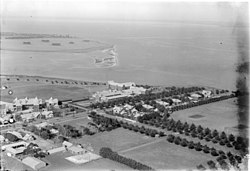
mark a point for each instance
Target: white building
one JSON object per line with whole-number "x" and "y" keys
{"x": 31, "y": 103}
{"x": 206, "y": 93}
{"x": 51, "y": 102}
{"x": 120, "y": 86}
{"x": 34, "y": 163}
{"x": 4, "y": 107}
{"x": 162, "y": 103}
{"x": 176, "y": 101}
{"x": 148, "y": 107}
{"x": 195, "y": 96}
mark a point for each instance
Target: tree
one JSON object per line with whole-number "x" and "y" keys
{"x": 200, "y": 167}
{"x": 18, "y": 117}
{"x": 211, "y": 164}
{"x": 45, "y": 135}
{"x": 11, "y": 137}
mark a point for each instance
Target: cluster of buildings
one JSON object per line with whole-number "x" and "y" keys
{"x": 118, "y": 91}
{"x": 27, "y": 108}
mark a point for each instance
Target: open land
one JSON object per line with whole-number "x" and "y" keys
{"x": 164, "y": 155}
{"x": 58, "y": 162}
{"x": 43, "y": 87}
{"x": 118, "y": 139}
{"x": 220, "y": 115}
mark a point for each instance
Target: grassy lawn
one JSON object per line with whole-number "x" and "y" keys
{"x": 59, "y": 163}
{"x": 118, "y": 139}
{"x": 219, "y": 115}
{"x": 42, "y": 90}
{"x": 166, "y": 156}
{"x": 78, "y": 122}
{"x": 14, "y": 164}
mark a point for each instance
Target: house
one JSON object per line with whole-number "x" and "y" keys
{"x": 27, "y": 137}
{"x": 54, "y": 131}
{"x": 162, "y": 103}
{"x": 34, "y": 163}
{"x": 4, "y": 107}
{"x": 47, "y": 114}
{"x": 77, "y": 150}
{"x": 13, "y": 151}
{"x": 195, "y": 96}
{"x": 42, "y": 125}
{"x": 206, "y": 93}
{"x": 67, "y": 144}
{"x": 117, "y": 109}
{"x": 2, "y": 138}
{"x": 30, "y": 116}
{"x": 15, "y": 145}
{"x": 176, "y": 101}
{"x": 51, "y": 102}
{"x": 135, "y": 90}
{"x": 56, "y": 150}
{"x": 148, "y": 107}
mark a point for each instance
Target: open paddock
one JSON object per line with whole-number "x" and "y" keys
{"x": 41, "y": 90}
{"x": 166, "y": 156}
{"x": 57, "y": 162}
{"x": 220, "y": 115}
{"x": 118, "y": 139}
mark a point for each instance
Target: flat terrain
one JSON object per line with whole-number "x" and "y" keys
{"x": 59, "y": 163}
{"x": 118, "y": 139}
{"x": 220, "y": 115}
{"x": 164, "y": 155}
{"x": 44, "y": 89}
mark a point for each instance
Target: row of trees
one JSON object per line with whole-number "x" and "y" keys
{"x": 45, "y": 132}
{"x": 114, "y": 123}
{"x": 239, "y": 143}
{"x": 106, "y": 152}
{"x": 221, "y": 155}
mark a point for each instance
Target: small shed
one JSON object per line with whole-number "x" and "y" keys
{"x": 67, "y": 144}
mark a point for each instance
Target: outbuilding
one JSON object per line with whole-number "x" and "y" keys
{"x": 34, "y": 163}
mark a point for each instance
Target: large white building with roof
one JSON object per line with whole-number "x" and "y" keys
{"x": 29, "y": 103}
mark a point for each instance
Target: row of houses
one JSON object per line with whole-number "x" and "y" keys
{"x": 27, "y": 103}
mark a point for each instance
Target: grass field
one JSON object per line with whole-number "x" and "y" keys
{"x": 118, "y": 139}
{"x": 166, "y": 156}
{"x": 59, "y": 163}
{"x": 23, "y": 88}
{"x": 219, "y": 115}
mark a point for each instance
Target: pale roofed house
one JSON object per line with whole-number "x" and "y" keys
{"x": 117, "y": 109}
{"x": 42, "y": 125}
{"x": 206, "y": 93}
{"x": 11, "y": 151}
{"x": 51, "y": 102}
{"x": 67, "y": 144}
{"x": 14, "y": 145}
{"x": 4, "y": 107}
{"x": 30, "y": 116}
{"x": 148, "y": 107}
{"x": 195, "y": 96}
{"x": 2, "y": 138}
{"x": 162, "y": 103}
{"x": 47, "y": 114}
{"x": 176, "y": 101}
{"x": 54, "y": 131}
{"x": 34, "y": 163}
{"x": 77, "y": 150}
